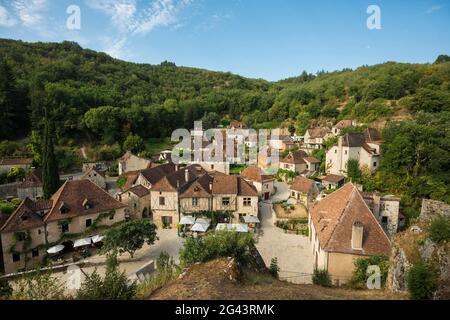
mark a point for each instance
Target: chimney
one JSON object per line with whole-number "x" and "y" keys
{"x": 357, "y": 235}
{"x": 210, "y": 185}
{"x": 176, "y": 167}
{"x": 376, "y": 205}
{"x": 186, "y": 175}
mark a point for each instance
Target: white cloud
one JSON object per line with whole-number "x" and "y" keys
{"x": 116, "y": 49}
{"x": 30, "y": 12}
{"x": 433, "y": 9}
{"x": 140, "y": 17}
{"x": 5, "y": 18}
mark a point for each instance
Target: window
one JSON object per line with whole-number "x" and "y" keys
{"x": 212, "y": 167}
{"x": 111, "y": 217}
{"x": 16, "y": 257}
{"x": 65, "y": 227}
{"x": 162, "y": 201}
{"x": 292, "y": 194}
{"x": 374, "y": 164}
{"x": 307, "y": 166}
{"x": 225, "y": 201}
{"x": 247, "y": 202}
{"x": 88, "y": 223}
{"x": 21, "y": 236}
{"x": 345, "y": 152}
{"x": 35, "y": 253}
{"x": 267, "y": 186}
{"x": 335, "y": 150}
{"x": 384, "y": 219}
{"x": 195, "y": 202}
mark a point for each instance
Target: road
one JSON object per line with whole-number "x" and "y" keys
{"x": 293, "y": 252}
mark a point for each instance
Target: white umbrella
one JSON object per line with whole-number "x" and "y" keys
{"x": 251, "y": 219}
{"x": 187, "y": 220}
{"x": 238, "y": 227}
{"x": 98, "y": 238}
{"x": 55, "y": 249}
{"x": 200, "y": 227}
{"x": 221, "y": 227}
{"x": 203, "y": 220}
{"x": 82, "y": 242}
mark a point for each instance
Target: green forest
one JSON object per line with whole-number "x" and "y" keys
{"x": 111, "y": 105}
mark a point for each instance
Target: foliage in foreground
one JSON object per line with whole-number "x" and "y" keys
{"x": 5, "y": 289}
{"x": 321, "y": 278}
{"x": 38, "y": 286}
{"x": 422, "y": 281}
{"x": 216, "y": 245}
{"x": 113, "y": 286}
{"x": 274, "y": 269}
{"x": 360, "y": 275}
{"x": 129, "y": 237}
{"x": 166, "y": 271}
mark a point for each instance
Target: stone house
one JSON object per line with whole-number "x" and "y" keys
{"x": 69, "y": 214}
{"x": 386, "y": 209}
{"x": 341, "y": 229}
{"x": 300, "y": 162}
{"x": 364, "y": 147}
{"x": 7, "y": 164}
{"x": 314, "y": 138}
{"x": 131, "y": 162}
{"x": 31, "y": 186}
{"x": 336, "y": 129}
{"x": 333, "y": 181}
{"x": 96, "y": 176}
{"x": 304, "y": 190}
{"x": 264, "y": 183}
{"x": 138, "y": 200}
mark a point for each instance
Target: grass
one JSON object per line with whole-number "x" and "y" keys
{"x": 237, "y": 168}
{"x": 156, "y": 145}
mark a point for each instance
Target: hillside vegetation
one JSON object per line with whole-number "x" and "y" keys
{"x": 111, "y": 104}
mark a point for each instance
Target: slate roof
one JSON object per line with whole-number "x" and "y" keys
{"x": 16, "y": 161}
{"x": 154, "y": 174}
{"x": 334, "y": 217}
{"x": 139, "y": 190}
{"x": 334, "y": 178}
{"x": 33, "y": 179}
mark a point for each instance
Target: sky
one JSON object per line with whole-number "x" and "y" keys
{"x": 269, "y": 39}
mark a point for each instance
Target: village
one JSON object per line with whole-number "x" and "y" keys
{"x": 306, "y": 212}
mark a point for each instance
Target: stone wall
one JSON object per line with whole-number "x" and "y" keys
{"x": 431, "y": 208}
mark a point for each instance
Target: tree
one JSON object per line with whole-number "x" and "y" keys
{"x": 129, "y": 237}
{"x": 353, "y": 170}
{"x": 134, "y": 143}
{"x": 210, "y": 120}
{"x": 50, "y": 175}
{"x": 113, "y": 286}
{"x": 105, "y": 121}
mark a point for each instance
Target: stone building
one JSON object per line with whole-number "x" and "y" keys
{"x": 264, "y": 183}
{"x": 304, "y": 190}
{"x": 341, "y": 229}
{"x": 68, "y": 215}
{"x": 131, "y": 162}
{"x": 96, "y": 176}
{"x": 31, "y": 186}
{"x": 386, "y": 209}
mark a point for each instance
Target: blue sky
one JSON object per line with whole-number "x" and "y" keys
{"x": 270, "y": 39}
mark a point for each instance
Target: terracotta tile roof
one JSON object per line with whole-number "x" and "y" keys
{"x": 245, "y": 188}
{"x": 333, "y": 178}
{"x": 177, "y": 180}
{"x": 131, "y": 177}
{"x": 139, "y": 190}
{"x": 237, "y": 124}
{"x": 199, "y": 188}
{"x": 296, "y": 157}
{"x": 334, "y": 217}
{"x": 72, "y": 195}
{"x": 156, "y": 173}
{"x": 28, "y": 215}
{"x": 225, "y": 185}
{"x": 34, "y": 179}
{"x": 16, "y": 161}
{"x": 311, "y": 159}
{"x": 302, "y": 184}
{"x": 254, "y": 173}
{"x": 344, "y": 124}
{"x": 319, "y": 132}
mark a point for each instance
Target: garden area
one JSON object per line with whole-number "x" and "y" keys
{"x": 292, "y": 218}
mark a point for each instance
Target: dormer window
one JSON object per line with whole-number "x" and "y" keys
{"x": 63, "y": 209}
{"x": 86, "y": 204}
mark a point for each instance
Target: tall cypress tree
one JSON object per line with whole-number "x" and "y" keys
{"x": 50, "y": 174}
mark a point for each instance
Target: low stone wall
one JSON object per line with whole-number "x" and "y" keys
{"x": 9, "y": 190}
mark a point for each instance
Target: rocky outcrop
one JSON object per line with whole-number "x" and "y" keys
{"x": 414, "y": 245}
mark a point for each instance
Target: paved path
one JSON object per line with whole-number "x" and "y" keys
{"x": 282, "y": 193}
{"x": 295, "y": 258}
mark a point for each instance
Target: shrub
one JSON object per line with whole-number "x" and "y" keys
{"x": 422, "y": 281}
{"x": 321, "y": 278}
{"x": 121, "y": 181}
{"x": 7, "y": 207}
{"x": 5, "y": 289}
{"x": 114, "y": 286}
{"x": 274, "y": 269}
{"x": 439, "y": 229}
{"x": 216, "y": 245}
{"x": 359, "y": 278}
{"x": 38, "y": 286}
